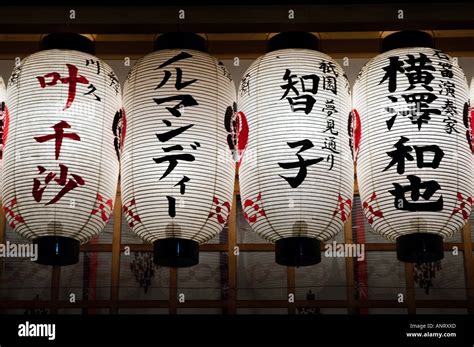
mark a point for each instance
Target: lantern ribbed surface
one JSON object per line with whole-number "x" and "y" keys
{"x": 60, "y": 164}
{"x": 177, "y": 171}
{"x": 3, "y": 96}
{"x": 470, "y": 120}
{"x": 296, "y": 174}
{"x": 414, "y": 166}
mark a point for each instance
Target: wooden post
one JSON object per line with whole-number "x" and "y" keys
{"x": 116, "y": 251}
{"x": 350, "y": 284}
{"x": 55, "y": 283}
{"x": 410, "y": 288}
{"x": 468, "y": 266}
{"x": 2, "y": 235}
{"x": 232, "y": 263}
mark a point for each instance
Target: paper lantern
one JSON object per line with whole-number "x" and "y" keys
{"x": 296, "y": 175}
{"x": 414, "y": 165}
{"x": 177, "y": 172}
{"x": 469, "y": 120}
{"x": 3, "y": 96}
{"x": 60, "y": 166}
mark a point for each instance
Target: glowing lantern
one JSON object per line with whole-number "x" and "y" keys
{"x": 414, "y": 166}
{"x": 296, "y": 175}
{"x": 177, "y": 171}
{"x": 60, "y": 167}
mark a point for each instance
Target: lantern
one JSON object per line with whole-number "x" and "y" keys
{"x": 414, "y": 165}
{"x": 469, "y": 119}
{"x": 177, "y": 171}
{"x": 296, "y": 174}
{"x": 60, "y": 165}
{"x": 3, "y": 95}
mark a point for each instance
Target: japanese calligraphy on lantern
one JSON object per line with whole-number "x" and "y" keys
{"x": 176, "y": 103}
{"x": 60, "y": 150}
{"x": 413, "y": 154}
{"x": 297, "y": 112}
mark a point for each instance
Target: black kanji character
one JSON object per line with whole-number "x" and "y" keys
{"x": 302, "y": 164}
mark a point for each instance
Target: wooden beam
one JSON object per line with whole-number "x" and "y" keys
{"x": 249, "y": 247}
{"x": 144, "y": 247}
{"x": 256, "y": 247}
{"x": 244, "y": 49}
{"x": 410, "y": 288}
{"x": 442, "y": 304}
{"x": 468, "y": 266}
{"x": 232, "y": 18}
{"x": 116, "y": 252}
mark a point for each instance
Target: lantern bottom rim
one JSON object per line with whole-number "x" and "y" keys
{"x": 176, "y": 252}
{"x": 298, "y": 251}
{"x": 57, "y": 250}
{"x": 420, "y": 248}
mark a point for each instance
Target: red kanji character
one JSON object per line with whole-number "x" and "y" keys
{"x": 58, "y": 136}
{"x": 72, "y": 80}
{"x": 67, "y": 185}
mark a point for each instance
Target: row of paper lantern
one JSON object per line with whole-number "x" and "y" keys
{"x": 178, "y": 130}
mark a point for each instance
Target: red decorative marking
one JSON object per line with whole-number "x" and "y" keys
{"x": 242, "y": 127}
{"x": 105, "y": 208}
{"x": 254, "y": 205}
{"x": 368, "y": 206}
{"x": 14, "y": 217}
{"x": 5, "y": 127}
{"x": 464, "y": 203}
{"x": 355, "y": 132}
{"x": 130, "y": 210}
{"x": 342, "y": 203}
{"x": 472, "y": 130}
{"x": 218, "y": 210}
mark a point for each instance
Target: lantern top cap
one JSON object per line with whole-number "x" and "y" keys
{"x": 407, "y": 38}
{"x": 293, "y": 39}
{"x": 70, "y": 41}
{"x": 180, "y": 40}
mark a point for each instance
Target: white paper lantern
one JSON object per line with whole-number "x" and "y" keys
{"x": 3, "y": 96}
{"x": 470, "y": 119}
{"x": 414, "y": 166}
{"x": 177, "y": 172}
{"x": 60, "y": 166}
{"x": 296, "y": 175}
